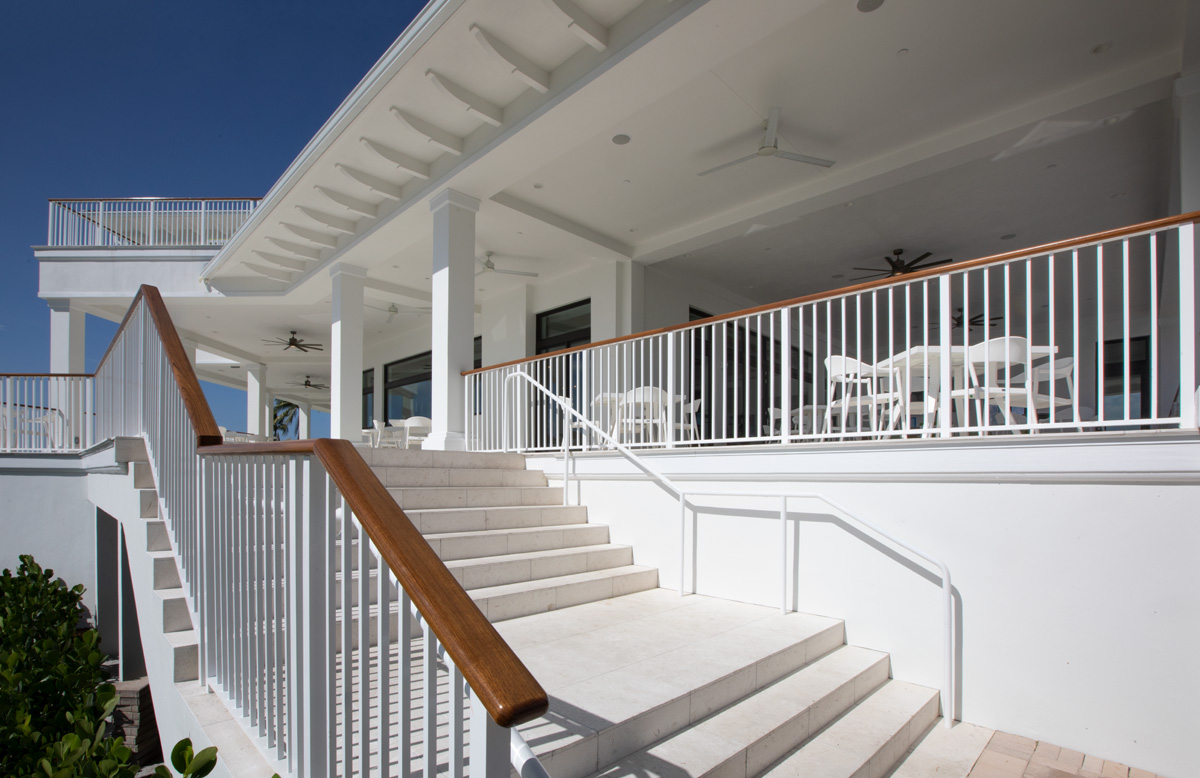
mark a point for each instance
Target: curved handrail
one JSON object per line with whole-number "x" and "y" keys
{"x": 503, "y": 685}
{"x": 203, "y": 424}
{"x": 971, "y": 264}
{"x": 495, "y": 674}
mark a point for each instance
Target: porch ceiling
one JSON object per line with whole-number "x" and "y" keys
{"x": 915, "y": 89}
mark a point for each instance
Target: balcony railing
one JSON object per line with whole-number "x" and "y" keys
{"x": 1095, "y": 334}
{"x": 46, "y": 413}
{"x": 146, "y": 221}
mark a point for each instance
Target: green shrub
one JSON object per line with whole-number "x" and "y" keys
{"x": 54, "y": 704}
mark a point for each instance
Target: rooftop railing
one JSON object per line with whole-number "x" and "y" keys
{"x": 147, "y": 221}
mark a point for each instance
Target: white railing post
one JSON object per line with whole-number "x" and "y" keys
{"x": 491, "y": 744}
{"x": 310, "y": 527}
{"x": 670, "y": 366}
{"x": 1187, "y": 326}
{"x": 944, "y": 390}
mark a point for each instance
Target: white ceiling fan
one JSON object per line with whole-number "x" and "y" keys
{"x": 770, "y": 148}
{"x": 394, "y": 309}
{"x": 490, "y": 267}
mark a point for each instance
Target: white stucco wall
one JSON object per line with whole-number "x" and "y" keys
{"x": 46, "y": 513}
{"x": 1074, "y": 565}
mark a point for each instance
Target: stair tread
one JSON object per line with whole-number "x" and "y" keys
{"x": 944, "y": 752}
{"x": 561, "y": 580}
{"x": 530, "y": 555}
{"x": 172, "y": 593}
{"x": 756, "y": 730}
{"x": 622, "y": 673}
{"x": 186, "y": 637}
{"x": 861, "y": 738}
{"x": 483, "y": 533}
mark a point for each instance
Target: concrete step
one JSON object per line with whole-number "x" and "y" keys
{"x": 944, "y": 752}
{"x": 490, "y": 543}
{"x": 148, "y": 503}
{"x": 440, "y": 520}
{"x": 175, "y": 614}
{"x": 748, "y": 736}
{"x": 186, "y": 650}
{"x": 622, "y": 674}
{"x": 166, "y": 573}
{"x": 458, "y": 476}
{"x": 869, "y": 740}
{"x": 143, "y": 476}
{"x": 534, "y": 565}
{"x": 395, "y": 457}
{"x": 522, "y": 599}
{"x": 474, "y": 497}
{"x": 157, "y": 538}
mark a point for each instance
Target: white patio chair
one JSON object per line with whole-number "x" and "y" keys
{"x": 416, "y": 430}
{"x": 685, "y": 423}
{"x": 855, "y": 389}
{"x": 643, "y": 414}
{"x": 387, "y": 436}
{"x": 987, "y": 387}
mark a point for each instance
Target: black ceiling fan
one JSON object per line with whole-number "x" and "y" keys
{"x": 307, "y": 383}
{"x": 293, "y": 343}
{"x": 976, "y": 320}
{"x": 899, "y": 267}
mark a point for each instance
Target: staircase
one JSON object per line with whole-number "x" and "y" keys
{"x": 646, "y": 683}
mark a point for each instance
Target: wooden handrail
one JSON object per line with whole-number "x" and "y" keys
{"x": 1045, "y": 248}
{"x": 203, "y": 424}
{"x": 496, "y": 675}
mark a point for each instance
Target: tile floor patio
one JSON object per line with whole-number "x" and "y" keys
{"x": 1013, "y": 756}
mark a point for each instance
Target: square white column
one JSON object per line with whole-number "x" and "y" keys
{"x": 453, "y": 314}
{"x": 258, "y": 411}
{"x": 66, "y": 337}
{"x": 303, "y": 421}
{"x": 346, "y": 353}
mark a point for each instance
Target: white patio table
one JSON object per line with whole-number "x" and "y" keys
{"x": 917, "y": 364}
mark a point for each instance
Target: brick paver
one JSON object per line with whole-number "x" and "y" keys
{"x": 1013, "y": 756}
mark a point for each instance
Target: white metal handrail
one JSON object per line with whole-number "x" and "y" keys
{"x": 949, "y": 661}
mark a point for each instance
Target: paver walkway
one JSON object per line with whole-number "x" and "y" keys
{"x": 1013, "y": 756}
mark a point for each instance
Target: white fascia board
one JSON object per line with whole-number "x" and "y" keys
{"x": 431, "y": 18}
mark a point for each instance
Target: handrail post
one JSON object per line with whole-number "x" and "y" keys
{"x": 491, "y": 744}
{"x": 310, "y": 528}
{"x": 785, "y": 377}
{"x": 566, "y": 443}
{"x": 682, "y": 539}
{"x": 783, "y": 608}
{"x": 1187, "y": 326}
{"x": 670, "y": 366}
{"x": 948, "y": 647}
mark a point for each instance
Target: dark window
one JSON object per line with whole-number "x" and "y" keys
{"x": 368, "y": 400}
{"x": 570, "y": 325}
{"x": 408, "y": 386}
{"x": 408, "y": 383}
{"x": 695, "y": 314}
{"x": 1113, "y": 379}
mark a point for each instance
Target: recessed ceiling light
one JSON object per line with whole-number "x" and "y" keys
{"x": 633, "y": 229}
{"x": 839, "y": 275}
{"x": 1116, "y": 196}
{"x": 1008, "y": 236}
{"x": 1051, "y": 166}
{"x": 850, "y": 204}
{"x": 537, "y": 186}
{"x": 902, "y": 53}
{"x": 1100, "y": 48}
{"x": 621, "y": 139}
{"x": 866, "y": 6}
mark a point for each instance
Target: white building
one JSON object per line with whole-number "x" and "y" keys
{"x": 512, "y": 179}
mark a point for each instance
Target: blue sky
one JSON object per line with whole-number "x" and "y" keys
{"x": 137, "y": 98}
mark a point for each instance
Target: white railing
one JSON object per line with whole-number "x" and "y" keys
{"x": 146, "y": 221}
{"x": 45, "y": 413}
{"x": 1093, "y": 335}
{"x": 571, "y": 418}
{"x": 304, "y": 630}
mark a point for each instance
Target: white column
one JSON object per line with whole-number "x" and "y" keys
{"x": 505, "y": 326}
{"x": 453, "y": 313}
{"x": 258, "y": 413}
{"x": 346, "y": 353}
{"x": 304, "y": 421}
{"x": 66, "y": 337}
